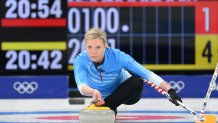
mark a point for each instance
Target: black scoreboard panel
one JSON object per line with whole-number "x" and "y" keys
{"x": 160, "y": 35}
{"x": 33, "y": 37}
{"x": 150, "y": 43}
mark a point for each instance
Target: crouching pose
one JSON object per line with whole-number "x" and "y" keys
{"x": 104, "y": 73}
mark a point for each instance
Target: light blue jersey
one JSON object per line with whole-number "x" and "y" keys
{"x": 109, "y": 75}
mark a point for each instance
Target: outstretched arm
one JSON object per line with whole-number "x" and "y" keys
{"x": 130, "y": 64}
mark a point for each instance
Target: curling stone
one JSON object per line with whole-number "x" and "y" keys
{"x": 96, "y": 114}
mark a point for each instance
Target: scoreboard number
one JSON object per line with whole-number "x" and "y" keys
{"x": 26, "y": 60}
{"x": 26, "y": 9}
{"x": 206, "y": 50}
{"x": 104, "y": 19}
{"x": 207, "y": 18}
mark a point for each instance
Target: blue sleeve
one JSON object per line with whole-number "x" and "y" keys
{"x": 79, "y": 74}
{"x": 131, "y": 65}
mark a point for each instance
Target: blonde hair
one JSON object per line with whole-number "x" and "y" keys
{"x": 94, "y": 33}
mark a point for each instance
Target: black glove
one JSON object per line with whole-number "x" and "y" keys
{"x": 174, "y": 96}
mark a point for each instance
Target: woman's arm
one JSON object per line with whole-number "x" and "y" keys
{"x": 165, "y": 86}
{"x": 87, "y": 91}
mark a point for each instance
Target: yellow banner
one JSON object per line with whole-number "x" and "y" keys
{"x": 34, "y": 45}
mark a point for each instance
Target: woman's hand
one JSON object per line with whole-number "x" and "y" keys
{"x": 96, "y": 96}
{"x": 174, "y": 97}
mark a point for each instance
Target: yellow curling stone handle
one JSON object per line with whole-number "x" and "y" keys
{"x": 93, "y": 107}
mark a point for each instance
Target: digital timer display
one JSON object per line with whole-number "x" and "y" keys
{"x": 42, "y": 13}
{"x": 33, "y": 37}
{"x": 25, "y": 60}
{"x": 28, "y": 9}
{"x": 36, "y": 58}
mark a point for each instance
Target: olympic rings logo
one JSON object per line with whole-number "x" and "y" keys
{"x": 25, "y": 87}
{"x": 178, "y": 86}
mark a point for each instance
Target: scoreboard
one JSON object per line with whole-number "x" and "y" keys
{"x": 33, "y": 37}
{"x": 42, "y": 37}
{"x": 160, "y": 35}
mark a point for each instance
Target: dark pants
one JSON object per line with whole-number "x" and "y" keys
{"x": 127, "y": 93}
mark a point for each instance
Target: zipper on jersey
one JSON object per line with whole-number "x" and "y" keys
{"x": 99, "y": 70}
{"x": 100, "y": 76}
